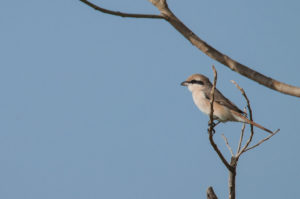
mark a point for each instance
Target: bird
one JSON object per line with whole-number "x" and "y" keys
{"x": 224, "y": 109}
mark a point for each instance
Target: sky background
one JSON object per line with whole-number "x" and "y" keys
{"x": 92, "y": 107}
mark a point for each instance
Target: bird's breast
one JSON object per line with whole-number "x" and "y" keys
{"x": 201, "y": 102}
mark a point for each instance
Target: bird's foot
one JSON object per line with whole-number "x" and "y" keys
{"x": 213, "y": 125}
{"x": 211, "y": 130}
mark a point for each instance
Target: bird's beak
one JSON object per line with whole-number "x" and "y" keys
{"x": 185, "y": 83}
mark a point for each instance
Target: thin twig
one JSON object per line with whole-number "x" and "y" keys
{"x": 121, "y": 14}
{"x": 227, "y": 144}
{"x": 262, "y": 141}
{"x": 250, "y": 118}
{"x": 242, "y": 136}
{"x": 211, "y": 123}
{"x": 212, "y": 99}
{"x": 218, "y": 151}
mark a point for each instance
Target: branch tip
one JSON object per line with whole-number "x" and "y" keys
{"x": 210, "y": 193}
{"x": 121, "y": 14}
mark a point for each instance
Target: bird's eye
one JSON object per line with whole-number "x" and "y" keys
{"x": 197, "y": 82}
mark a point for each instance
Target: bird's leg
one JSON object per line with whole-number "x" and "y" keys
{"x": 218, "y": 122}
{"x": 213, "y": 123}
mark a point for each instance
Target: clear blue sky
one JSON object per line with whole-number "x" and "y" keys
{"x": 92, "y": 107}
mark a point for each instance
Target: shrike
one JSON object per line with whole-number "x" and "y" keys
{"x": 224, "y": 109}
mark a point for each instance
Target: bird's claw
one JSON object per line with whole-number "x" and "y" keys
{"x": 211, "y": 123}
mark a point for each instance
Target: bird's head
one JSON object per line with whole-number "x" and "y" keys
{"x": 197, "y": 82}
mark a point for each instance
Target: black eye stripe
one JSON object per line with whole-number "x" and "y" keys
{"x": 197, "y": 82}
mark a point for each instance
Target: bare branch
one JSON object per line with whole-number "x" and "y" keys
{"x": 232, "y": 178}
{"x": 218, "y": 151}
{"x": 245, "y": 148}
{"x": 227, "y": 144}
{"x": 262, "y": 141}
{"x": 212, "y": 99}
{"x": 220, "y": 57}
{"x": 210, "y": 193}
{"x": 121, "y": 14}
{"x": 242, "y": 136}
{"x": 250, "y": 118}
{"x": 212, "y": 125}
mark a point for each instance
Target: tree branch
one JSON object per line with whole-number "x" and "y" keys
{"x": 232, "y": 177}
{"x": 212, "y": 125}
{"x": 245, "y": 148}
{"x": 121, "y": 14}
{"x": 220, "y": 57}
{"x": 250, "y": 118}
{"x": 212, "y": 99}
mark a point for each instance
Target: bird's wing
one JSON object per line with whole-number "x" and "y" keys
{"x": 222, "y": 100}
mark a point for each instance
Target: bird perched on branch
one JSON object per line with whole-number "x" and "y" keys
{"x": 224, "y": 109}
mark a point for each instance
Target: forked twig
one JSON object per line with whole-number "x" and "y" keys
{"x": 245, "y": 148}
{"x": 250, "y": 118}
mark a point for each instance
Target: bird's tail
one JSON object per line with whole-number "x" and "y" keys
{"x": 246, "y": 120}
